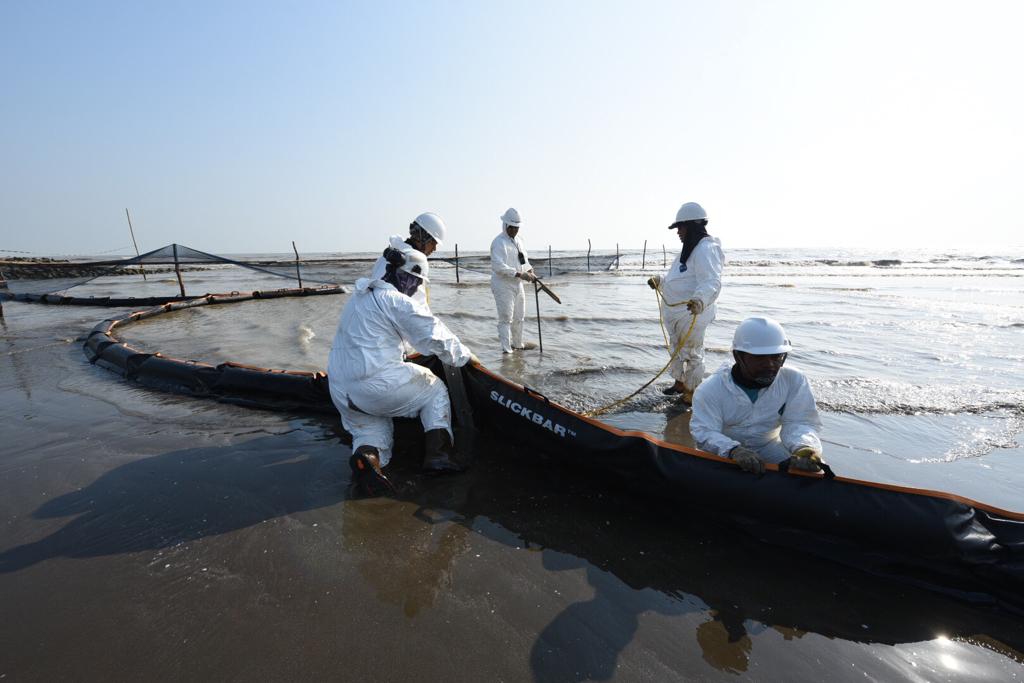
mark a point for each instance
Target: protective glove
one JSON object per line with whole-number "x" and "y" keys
{"x": 747, "y": 459}
{"x": 805, "y": 459}
{"x": 695, "y": 306}
{"x": 654, "y": 282}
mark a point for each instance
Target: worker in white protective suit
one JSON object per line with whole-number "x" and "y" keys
{"x": 510, "y": 267}
{"x": 426, "y": 234}
{"x": 755, "y": 410}
{"x": 690, "y": 287}
{"x": 370, "y": 383}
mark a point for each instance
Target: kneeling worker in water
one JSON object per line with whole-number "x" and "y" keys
{"x": 757, "y": 411}
{"x": 370, "y": 383}
{"x": 690, "y": 288}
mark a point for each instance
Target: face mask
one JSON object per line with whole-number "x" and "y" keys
{"x": 407, "y": 283}
{"x": 404, "y": 282}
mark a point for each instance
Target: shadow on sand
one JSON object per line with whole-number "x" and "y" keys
{"x": 183, "y": 495}
{"x": 638, "y": 556}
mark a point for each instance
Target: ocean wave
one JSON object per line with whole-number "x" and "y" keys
{"x": 960, "y": 272}
{"x": 768, "y": 263}
{"x": 866, "y": 396}
{"x": 561, "y": 318}
{"x": 982, "y": 442}
{"x": 649, "y": 401}
{"x": 600, "y": 370}
{"x": 985, "y": 263}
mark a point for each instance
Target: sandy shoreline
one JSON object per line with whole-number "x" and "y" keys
{"x": 159, "y": 536}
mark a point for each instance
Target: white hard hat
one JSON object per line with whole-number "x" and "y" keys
{"x": 511, "y": 217}
{"x": 433, "y": 225}
{"x": 415, "y": 262}
{"x": 690, "y": 211}
{"x": 761, "y": 337}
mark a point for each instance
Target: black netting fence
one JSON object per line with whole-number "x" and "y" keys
{"x": 49, "y": 281}
{"x": 556, "y": 265}
{"x": 37, "y": 277}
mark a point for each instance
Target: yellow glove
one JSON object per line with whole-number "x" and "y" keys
{"x": 806, "y": 459}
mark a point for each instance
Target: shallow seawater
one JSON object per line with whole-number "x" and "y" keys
{"x": 917, "y": 366}
{"x": 159, "y": 536}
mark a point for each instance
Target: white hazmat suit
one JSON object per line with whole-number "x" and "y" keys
{"x": 369, "y": 382}
{"x": 782, "y": 420}
{"x": 509, "y": 297}
{"x": 699, "y": 278}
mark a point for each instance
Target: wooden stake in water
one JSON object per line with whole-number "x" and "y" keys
{"x": 588, "y": 254}
{"x": 536, "y": 300}
{"x": 616, "y": 256}
{"x": 643, "y": 261}
{"x": 456, "y": 263}
{"x": 298, "y": 273}
{"x": 132, "y": 231}
{"x": 664, "y": 257}
{"x": 177, "y": 271}
{"x": 549, "y": 260}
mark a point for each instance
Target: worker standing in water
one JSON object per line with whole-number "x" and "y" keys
{"x": 370, "y": 382}
{"x": 426, "y": 234}
{"x": 510, "y": 267}
{"x": 690, "y": 287}
{"x": 754, "y": 410}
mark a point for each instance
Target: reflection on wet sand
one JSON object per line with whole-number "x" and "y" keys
{"x": 584, "y": 641}
{"x": 14, "y": 355}
{"x": 677, "y": 427}
{"x": 640, "y": 557}
{"x": 416, "y": 564}
{"x": 727, "y": 649}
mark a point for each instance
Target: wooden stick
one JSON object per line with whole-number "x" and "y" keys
{"x": 177, "y": 271}
{"x": 643, "y": 261}
{"x": 549, "y": 260}
{"x": 456, "y": 263}
{"x": 132, "y": 231}
{"x": 588, "y": 254}
{"x": 664, "y": 257}
{"x": 298, "y": 274}
{"x": 544, "y": 288}
{"x": 536, "y": 299}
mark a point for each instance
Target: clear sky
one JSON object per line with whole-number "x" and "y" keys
{"x": 238, "y": 127}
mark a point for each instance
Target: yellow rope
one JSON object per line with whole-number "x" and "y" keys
{"x": 679, "y": 347}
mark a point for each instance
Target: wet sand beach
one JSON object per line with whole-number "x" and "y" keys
{"x": 166, "y": 537}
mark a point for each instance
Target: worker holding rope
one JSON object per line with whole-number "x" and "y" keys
{"x": 689, "y": 290}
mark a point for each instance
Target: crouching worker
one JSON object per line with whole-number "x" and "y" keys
{"x": 370, "y": 383}
{"x": 757, "y": 411}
